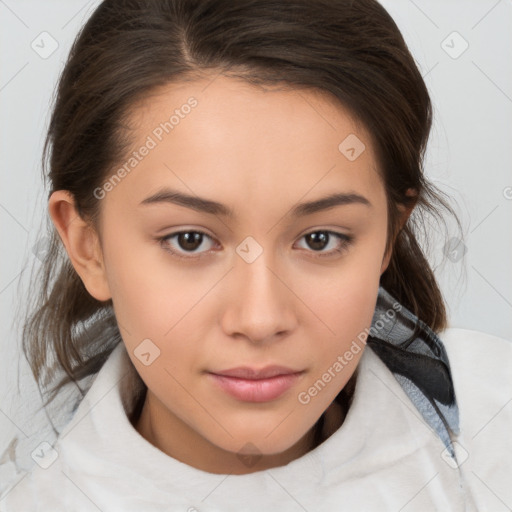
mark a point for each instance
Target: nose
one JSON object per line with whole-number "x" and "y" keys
{"x": 259, "y": 305}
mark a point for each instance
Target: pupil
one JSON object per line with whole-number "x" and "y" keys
{"x": 318, "y": 239}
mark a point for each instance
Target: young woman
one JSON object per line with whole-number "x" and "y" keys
{"x": 234, "y": 279}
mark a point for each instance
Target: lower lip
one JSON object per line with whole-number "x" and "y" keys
{"x": 261, "y": 390}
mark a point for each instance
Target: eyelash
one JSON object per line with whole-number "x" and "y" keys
{"x": 346, "y": 241}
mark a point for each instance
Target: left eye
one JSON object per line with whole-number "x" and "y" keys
{"x": 318, "y": 240}
{"x": 191, "y": 241}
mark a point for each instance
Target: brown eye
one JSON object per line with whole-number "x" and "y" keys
{"x": 189, "y": 240}
{"x": 184, "y": 242}
{"x": 319, "y": 240}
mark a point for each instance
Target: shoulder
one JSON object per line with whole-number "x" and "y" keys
{"x": 479, "y": 361}
{"x": 481, "y": 366}
{"x": 457, "y": 338}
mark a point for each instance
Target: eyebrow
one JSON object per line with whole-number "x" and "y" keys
{"x": 203, "y": 205}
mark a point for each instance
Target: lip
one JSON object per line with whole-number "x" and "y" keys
{"x": 246, "y": 372}
{"x": 252, "y": 385}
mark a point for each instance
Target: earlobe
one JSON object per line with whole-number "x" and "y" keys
{"x": 81, "y": 242}
{"x": 385, "y": 261}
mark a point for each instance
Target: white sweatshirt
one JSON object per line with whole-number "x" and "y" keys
{"x": 384, "y": 457}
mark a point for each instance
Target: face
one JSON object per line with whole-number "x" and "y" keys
{"x": 242, "y": 273}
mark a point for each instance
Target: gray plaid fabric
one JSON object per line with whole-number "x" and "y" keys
{"x": 419, "y": 362}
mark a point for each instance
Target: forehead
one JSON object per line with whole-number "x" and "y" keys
{"x": 246, "y": 141}
{"x": 236, "y": 106}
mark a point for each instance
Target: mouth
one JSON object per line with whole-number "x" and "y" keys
{"x": 252, "y": 385}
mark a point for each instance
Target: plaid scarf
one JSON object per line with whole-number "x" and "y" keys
{"x": 417, "y": 358}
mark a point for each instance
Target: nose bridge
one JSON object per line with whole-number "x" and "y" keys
{"x": 255, "y": 267}
{"x": 261, "y": 305}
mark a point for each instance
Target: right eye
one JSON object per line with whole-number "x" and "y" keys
{"x": 184, "y": 242}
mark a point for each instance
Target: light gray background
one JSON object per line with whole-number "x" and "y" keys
{"x": 469, "y": 155}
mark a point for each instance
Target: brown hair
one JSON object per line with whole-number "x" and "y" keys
{"x": 351, "y": 50}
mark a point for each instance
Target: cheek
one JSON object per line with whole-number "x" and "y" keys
{"x": 146, "y": 293}
{"x": 339, "y": 339}
{"x": 154, "y": 299}
{"x": 344, "y": 296}
{"x": 343, "y": 301}
{"x": 345, "y": 313}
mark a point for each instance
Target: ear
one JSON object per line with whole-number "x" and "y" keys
{"x": 81, "y": 242}
{"x": 405, "y": 212}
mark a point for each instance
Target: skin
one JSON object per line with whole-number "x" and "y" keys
{"x": 260, "y": 152}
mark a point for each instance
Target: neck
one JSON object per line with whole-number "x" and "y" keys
{"x": 213, "y": 459}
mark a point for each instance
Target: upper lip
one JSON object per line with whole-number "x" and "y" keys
{"x": 246, "y": 372}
